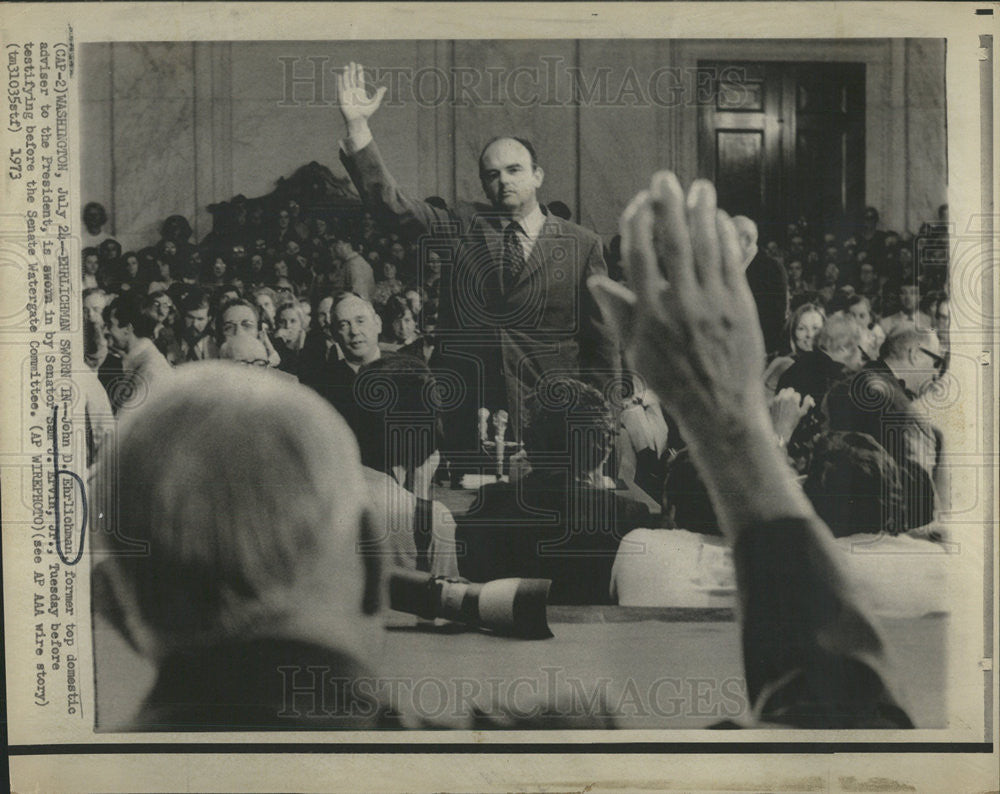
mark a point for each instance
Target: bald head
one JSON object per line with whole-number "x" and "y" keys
{"x": 226, "y": 474}
{"x": 746, "y": 229}
{"x": 914, "y": 356}
{"x": 244, "y": 349}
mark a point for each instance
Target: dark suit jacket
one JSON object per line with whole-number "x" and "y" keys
{"x": 500, "y": 343}
{"x": 813, "y": 373}
{"x": 875, "y": 401}
{"x": 769, "y": 285}
{"x": 540, "y": 527}
{"x": 262, "y": 684}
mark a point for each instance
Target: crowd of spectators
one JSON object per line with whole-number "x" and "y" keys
{"x": 321, "y": 294}
{"x": 253, "y": 493}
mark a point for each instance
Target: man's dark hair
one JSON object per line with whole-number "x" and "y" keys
{"x": 89, "y": 251}
{"x": 568, "y": 417}
{"x": 523, "y": 141}
{"x": 127, "y": 309}
{"x": 855, "y": 485}
{"x": 194, "y": 299}
{"x": 437, "y": 201}
{"x": 397, "y": 396}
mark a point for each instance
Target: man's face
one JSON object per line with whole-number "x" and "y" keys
{"x": 861, "y": 313}
{"x": 162, "y": 307}
{"x": 926, "y": 361}
{"x": 509, "y": 180}
{"x": 90, "y": 264}
{"x": 324, "y": 316}
{"x": 265, "y": 303}
{"x": 413, "y": 301}
{"x": 288, "y": 321}
{"x": 93, "y": 305}
{"x": 219, "y": 267}
{"x": 908, "y": 297}
{"x": 239, "y": 321}
{"x": 405, "y": 328}
{"x": 196, "y": 321}
{"x": 92, "y": 216}
{"x": 795, "y": 269}
{"x": 357, "y": 327}
{"x": 867, "y": 274}
{"x": 118, "y": 337}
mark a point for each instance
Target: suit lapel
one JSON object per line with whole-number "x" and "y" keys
{"x": 548, "y": 239}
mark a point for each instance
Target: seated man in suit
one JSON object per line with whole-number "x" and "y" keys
{"x": 768, "y": 283}
{"x": 879, "y": 400}
{"x": 514, "y": 303}
{"x": 562, "y": 521}
{"x": 356, "y": 327}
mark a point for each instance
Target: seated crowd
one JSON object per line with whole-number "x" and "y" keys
{"x": 260, "y": 495}
{"x": 326, "y": 296}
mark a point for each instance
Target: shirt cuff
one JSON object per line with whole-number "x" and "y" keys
{"x": 354, "y": 144}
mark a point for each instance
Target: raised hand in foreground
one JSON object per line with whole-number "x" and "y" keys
{"x": 812, "y": 657}
{"x": 689, "y": 327}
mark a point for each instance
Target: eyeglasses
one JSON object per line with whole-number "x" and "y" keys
{"x": 939, "y": 361}
{"x": 257, "y": 362}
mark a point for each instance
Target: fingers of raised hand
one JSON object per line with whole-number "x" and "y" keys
{"x": 702, "y": 222}
{"x": 638, "y": 253}
{"x": 671, "y": 237}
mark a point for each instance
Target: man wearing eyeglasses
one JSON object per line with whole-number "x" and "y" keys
{"x": 880, "y": 401}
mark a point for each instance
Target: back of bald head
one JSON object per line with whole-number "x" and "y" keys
{"x": 745, "y": 228}
{"x": 243, "y": 348}
{"x": 236, "y": 493}
{"x": 898, "y": 344}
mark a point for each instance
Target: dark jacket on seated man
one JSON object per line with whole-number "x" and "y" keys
{"x": 543, "y": 528}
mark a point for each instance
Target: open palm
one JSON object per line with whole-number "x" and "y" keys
{"x": 355, "y": 103}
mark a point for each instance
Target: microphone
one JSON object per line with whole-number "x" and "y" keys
{"x": 511, "y": 607}
{"x": 500, "y": 422}
{"x": 484, "y": 418}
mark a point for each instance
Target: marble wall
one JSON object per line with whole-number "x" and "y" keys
{"x": 172, "y": 127}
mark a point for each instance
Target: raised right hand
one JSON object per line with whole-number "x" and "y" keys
{"x": 355, "y": 103}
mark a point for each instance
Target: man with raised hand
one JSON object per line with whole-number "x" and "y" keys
{"x": 812, "y": 657}
{"x": 514, "y": 303}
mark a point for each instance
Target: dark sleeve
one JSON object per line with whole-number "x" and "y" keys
{"x": 812, "y": 658}
{"x": 600, "y": 360}
{"x": 769, "y": 285}
{"x": 379, "y": 191}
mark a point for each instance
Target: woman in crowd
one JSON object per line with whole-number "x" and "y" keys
{"x": 401, "y": 327}
{"x": 805, "y": 322}
{"x": 290, "y": 335}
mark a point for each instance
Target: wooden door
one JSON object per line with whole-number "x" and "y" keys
{"x": 780, "y": 140}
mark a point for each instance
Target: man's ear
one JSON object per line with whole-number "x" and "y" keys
{"x": 370, "y": 548}
{"x": 539, "y": 176}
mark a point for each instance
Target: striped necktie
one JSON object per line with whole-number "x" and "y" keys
{"x": 513, "y": 254}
